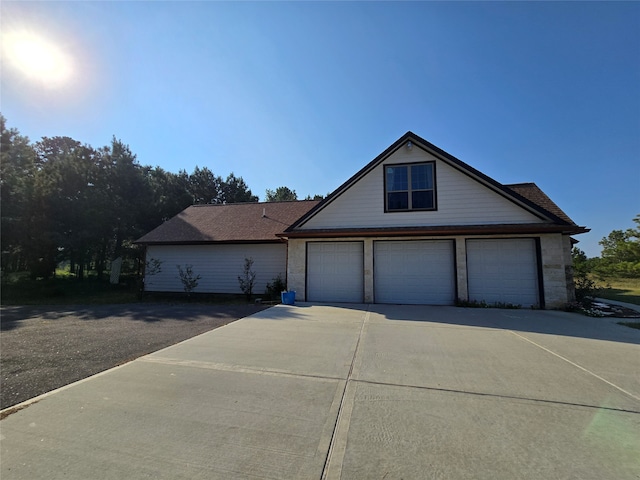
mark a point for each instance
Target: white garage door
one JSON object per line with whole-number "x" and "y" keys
{"x": 417, "y": 272}
{"x": 335, "y": 272}
{"x": 503, "y": 270}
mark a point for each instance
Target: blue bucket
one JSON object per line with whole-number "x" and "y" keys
{"x": 289, "y": 298}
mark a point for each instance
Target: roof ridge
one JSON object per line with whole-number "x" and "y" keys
{"x": 248, "y": 203}
{"x": 519, "y": 183}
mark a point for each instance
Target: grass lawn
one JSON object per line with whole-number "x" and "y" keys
{"x": 66, "y": 291}
{"x": 621, "y": 289}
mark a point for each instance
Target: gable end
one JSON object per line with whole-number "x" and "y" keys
{"x": 509, "y": 194}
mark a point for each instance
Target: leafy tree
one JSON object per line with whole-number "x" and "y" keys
{"x": 315, "y": 197}
{"x": 235, "y": 190}
{"x": 622, "y": 246}
{"x": 17, "y": 188}
{"x": 281, "y": 194}
{"x": 248, "y": 278}
{"x": 188, "y": 278}
{"x": 585, "y": 287}
{"x": 621, "y": 252}
{"x": 167, "y": 194}
{"x": 275, "y": 287}
{"x": 152, "y": 267}
{"x": 124, "y": 189}
{"x": 67, "y": 196}
{"x": 580, "y": 260}
{"x": 205, "y": 187}
{"x": 67, "y": 201}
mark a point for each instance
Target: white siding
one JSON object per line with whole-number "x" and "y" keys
{"x": 218, "y": 265}
{"x": 460, "y": 201}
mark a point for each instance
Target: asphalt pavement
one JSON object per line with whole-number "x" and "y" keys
{"x": 351, "y": 392}
{"x": 47, "y": 347}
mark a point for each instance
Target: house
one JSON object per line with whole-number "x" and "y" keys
{"x": 216, "y": 239}
{"x": 416, "y": 225}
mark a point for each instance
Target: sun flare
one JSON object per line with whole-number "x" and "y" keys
{"x": 37, "y": 58}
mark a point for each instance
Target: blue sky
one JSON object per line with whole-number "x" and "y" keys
{"x": 304, "y": 94}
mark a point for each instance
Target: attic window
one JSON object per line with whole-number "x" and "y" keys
{"x": 410, "y": 187}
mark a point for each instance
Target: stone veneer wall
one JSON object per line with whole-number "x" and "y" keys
{"x": 568, "y": 259}
{"x": 554, "y": 269}
{"x": 296, "y": 267}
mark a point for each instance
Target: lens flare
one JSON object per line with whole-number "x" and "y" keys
{"x": 37, "y": 59}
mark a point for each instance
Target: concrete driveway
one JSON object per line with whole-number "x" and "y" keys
{"x": 352, "y": 392}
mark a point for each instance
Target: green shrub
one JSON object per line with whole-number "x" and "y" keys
{"x": 188, "y": 278}
{"x": 275, "y": 287}
{"x": 620, "y": 269}
{"x": 248, "y": 278}
{"x": 586, "y": 289}
{"x": 484, "y": 304}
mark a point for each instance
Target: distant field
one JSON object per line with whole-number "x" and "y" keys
{"x": 621, "y": 289}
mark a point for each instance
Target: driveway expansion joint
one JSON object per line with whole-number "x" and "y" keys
{"x": 337, "y": 447}
{"x": 497, "y": 396}
{"x": 635, "y": 397}
{"x": 225, "y": 367}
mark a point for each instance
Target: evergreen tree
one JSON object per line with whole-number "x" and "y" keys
{"x": 281, "y": 194}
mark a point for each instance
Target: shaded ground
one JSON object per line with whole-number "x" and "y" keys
{"x": 620, "y": 294}
{"x": 43, "y": 348}
{"x": 620, "y": 289}
{"x": 616, "y": 311}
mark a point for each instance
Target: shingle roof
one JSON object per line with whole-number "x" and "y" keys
{"x": 244, "y": 222}
{"x": 239, "y": 222}
{"x": 532, "y": 192}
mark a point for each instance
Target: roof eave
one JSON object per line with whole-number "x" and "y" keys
{"x": 438, "y": 231}
{"x": 209, "y": 242}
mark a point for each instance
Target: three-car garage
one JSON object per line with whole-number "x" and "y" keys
{"x": 498, "y": 271}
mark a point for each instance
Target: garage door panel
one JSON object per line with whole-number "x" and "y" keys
{"x": 503, "y": 270}
{"x": 335, "y": 272}
{"x": 414, "y": 272}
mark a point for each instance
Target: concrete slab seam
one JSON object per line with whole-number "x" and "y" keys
{"x": 224, "y": 367}
{"x": 337, "y": 447}
{"x": 495, "y": 395}
{"x": 328, "y": 428}
{"x": 576, "y": 365}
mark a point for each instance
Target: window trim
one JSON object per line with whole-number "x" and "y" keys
{"x": 409, "y": 191}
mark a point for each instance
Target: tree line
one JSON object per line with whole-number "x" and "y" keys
{"x": 620, "y": 256}
{"x": 67, "y": 202}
